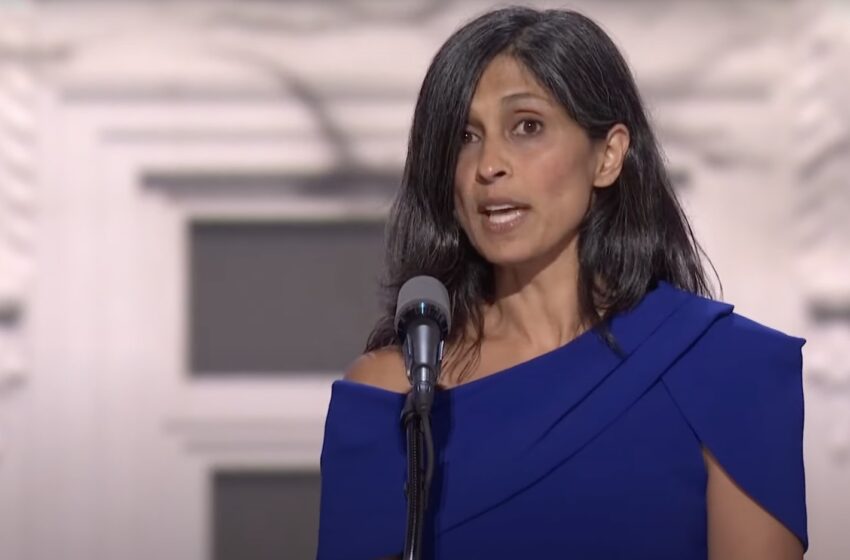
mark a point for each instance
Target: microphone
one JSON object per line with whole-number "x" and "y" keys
{"x": 422, "y": 321}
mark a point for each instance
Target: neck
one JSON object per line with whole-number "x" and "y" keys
{"x": 537, "y": 302}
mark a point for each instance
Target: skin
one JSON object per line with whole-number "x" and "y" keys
{"x": 520, "y": 143}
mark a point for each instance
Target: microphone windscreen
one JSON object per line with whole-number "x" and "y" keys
{"x": 427, "y": 290}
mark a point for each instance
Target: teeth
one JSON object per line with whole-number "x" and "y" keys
{"x": 499, "y": 207}
{"x": 504, "y": 218}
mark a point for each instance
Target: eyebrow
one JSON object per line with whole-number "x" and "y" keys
{"x": 523, "y": 95}
{"x": 514, "y": 97}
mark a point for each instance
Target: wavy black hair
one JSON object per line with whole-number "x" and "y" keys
{"x": 634, "y": 233}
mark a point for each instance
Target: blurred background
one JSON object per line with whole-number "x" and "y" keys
{"x": 192, "y": 197}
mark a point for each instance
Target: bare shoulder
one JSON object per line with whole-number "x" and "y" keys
{"x": 383, "y": 368}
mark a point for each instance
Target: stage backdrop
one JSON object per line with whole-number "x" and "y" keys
{"x": 192, "y": 197}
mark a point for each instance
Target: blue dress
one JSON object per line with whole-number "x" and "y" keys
{"x": 580, "y": 452}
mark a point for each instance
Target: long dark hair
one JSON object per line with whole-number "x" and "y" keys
{"x": 634, "y": 234}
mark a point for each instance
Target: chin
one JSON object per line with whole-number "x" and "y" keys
{"x": 516, "y": 254}
{"x": 508, "y": 257}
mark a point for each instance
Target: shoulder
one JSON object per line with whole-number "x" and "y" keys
{"x": 739, "y": 359}
{"x": 383, "y": 368}
{"x": 738, "y": 327}
{"x": 733, "y": 335}
{"x": 740, "y": 382}
{"x": 735, "y": 338}
{"x": 739, "y": 355}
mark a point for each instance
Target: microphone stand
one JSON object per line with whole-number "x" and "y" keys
{"x": 416, "y": 419}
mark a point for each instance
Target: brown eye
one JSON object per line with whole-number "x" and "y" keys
{"x": 528, "y": 127}
{"x": 467, "y": 137}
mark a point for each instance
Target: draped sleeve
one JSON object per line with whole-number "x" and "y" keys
{"x": 740, "y": 389}
{"x": 363, "y": 462}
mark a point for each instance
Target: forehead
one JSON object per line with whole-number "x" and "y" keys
{"x": 505, "y": 78}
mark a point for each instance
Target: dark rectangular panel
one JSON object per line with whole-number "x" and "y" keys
{"x": 265, "y": 515}
{"x": 279, "y": 297}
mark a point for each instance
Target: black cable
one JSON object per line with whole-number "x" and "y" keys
{"x": 425, "y": 423}
{"x": 420, "y": 472}
{"x": 413, "y": 486}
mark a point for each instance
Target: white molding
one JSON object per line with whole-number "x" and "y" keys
{"x": 19, "y": 90}
{"x": 18, "y": 186}
{"x": 284, "y": 443}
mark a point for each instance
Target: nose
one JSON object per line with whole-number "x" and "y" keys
{"x": 493, "y": 162}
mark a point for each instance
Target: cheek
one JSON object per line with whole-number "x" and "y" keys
{"x": 569, "y": 178}
{"x": 462, "y": 192}
{"x": 464, "y": 174}
{"x": 459, "y": 206}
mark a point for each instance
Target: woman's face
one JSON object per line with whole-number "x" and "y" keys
{"x": 526, "y": 170}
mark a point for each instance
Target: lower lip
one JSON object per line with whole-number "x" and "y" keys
{"x": 506, "y": 223}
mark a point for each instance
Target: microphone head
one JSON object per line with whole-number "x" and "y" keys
{"x": 423, "y": 296}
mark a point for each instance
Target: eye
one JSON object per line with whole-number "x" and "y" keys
{"x": 467, "y": 137}
{"x": 528, "y": 127}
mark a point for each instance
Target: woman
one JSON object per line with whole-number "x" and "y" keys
{"x": 595, "y": 403}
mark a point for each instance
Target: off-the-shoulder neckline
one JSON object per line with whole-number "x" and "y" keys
{"x": 503, "y": 375}
{"x": 480, "y": 382}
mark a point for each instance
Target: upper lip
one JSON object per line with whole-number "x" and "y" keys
{"x": 495, "y": 202}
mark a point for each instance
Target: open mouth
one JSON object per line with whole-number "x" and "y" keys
{"x": 504, "y": 215}
{"x": 501, "y": 218}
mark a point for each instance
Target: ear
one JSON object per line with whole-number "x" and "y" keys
{"x": 611, "y": 155}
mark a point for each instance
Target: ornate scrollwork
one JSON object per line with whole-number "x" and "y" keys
{"x": 17, "y": 189}
{"x": 821, "y": 163}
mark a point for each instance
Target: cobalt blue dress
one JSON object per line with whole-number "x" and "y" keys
{"x": 580, "y": 452}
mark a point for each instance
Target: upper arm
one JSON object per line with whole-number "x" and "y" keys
{"x": 738, "y": 527}
{"x": 383, "y": 368}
